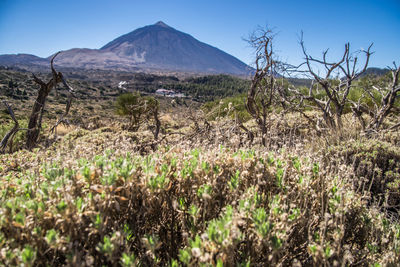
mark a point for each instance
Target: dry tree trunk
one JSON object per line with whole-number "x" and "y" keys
{"x": 35, "y": 119}
{"x": 263, "y": 89}
{"x": 34, "y": 124}
{"x": 157, "y": 122}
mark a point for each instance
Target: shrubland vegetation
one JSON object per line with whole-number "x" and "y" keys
{"x": 277, "y": 175}
{"x": 138, "y": 109}
{"x": 208, "y": 88}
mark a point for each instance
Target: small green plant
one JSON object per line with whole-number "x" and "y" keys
{"x": 158, "y": 181}
{"x": 294, "y": 214}
{"x": 296, "y": 163}
{"x": 79, "y": 204}
{"x": 193, "y": 211}
{"x": 128, "y": 260}
{"x": 235, "y": 180}
{"x": 204, "y": 191}
{"x": 106, "y": 247}
{"x": 276, "y": 242}
{"x": 262, "y": 225}
{"x": 315, "y": 169}
{"x": 217, "y": 230}
{"x": 128, "y": 233}
{"x": 182, "y": 203}
{"x": 51, "y": 236}
{"x": 28, "y": 255}
{"x": 61, "y": 206}
{"x": 279, "y": 177}
{"x": 174, "y": 263}
{"x": 184, "y": 256}
{"x": 97, "y": 220}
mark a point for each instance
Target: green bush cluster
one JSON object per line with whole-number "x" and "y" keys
{"x": 190, "y": 207}
{"x": 138, "y": 108}
{"x": 211, "y": 87}
{"x": 230, "y": 106}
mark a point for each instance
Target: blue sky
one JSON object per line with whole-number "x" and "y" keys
{"x": 42, "y": 27}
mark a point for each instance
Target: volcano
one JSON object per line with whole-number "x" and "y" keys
{"x": 153, "y": 47}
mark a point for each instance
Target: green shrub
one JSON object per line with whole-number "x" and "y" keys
{"x": 230, "y": 106}
{"x": 137, "y": 108}
{"x": 376, "y": 166}
{"x": 194, "y": 207}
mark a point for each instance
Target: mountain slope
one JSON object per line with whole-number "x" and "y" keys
{"x": 160, "y": 46}
{"x": 154, "y": 47}
{"x": 21, "y": 59}
{"x": 375, "y": 71}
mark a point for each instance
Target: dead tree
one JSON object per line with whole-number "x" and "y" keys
{"x": 265, "y": 90}
{"x": 35, "y": 119}
{"x": 157, "y": 122}
{"x": 335, "y": 83}
{"x": 383, "y": 99}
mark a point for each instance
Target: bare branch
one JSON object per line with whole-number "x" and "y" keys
{"x": 38, "y": 81}
{"x": 336, "y": 88}
{"x": 10, "y": 134}
{"x": 68, "y": 105}
{"x": 53, "y": 71}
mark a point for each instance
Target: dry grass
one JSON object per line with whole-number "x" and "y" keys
{"x": 62, "y": 129}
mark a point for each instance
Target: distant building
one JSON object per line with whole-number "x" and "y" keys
{"x": 168, "y": 93}
{"x": 164, "y": 92}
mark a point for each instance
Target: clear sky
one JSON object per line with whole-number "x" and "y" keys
{"x": 43, "y": 27}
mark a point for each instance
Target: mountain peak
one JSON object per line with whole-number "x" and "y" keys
{"x": 160, "y": 46}
{"x": 162, "y": 24}
{"x": 152, "y": 47}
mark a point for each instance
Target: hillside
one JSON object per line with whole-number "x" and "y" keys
{"x": 375, "y": 72}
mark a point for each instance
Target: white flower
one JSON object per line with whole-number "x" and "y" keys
{"x": 205, "y": 257}
{"x": 196, "y": 252}
{"x": 204, "y": 236}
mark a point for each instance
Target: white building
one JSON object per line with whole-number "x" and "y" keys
{"x": 168, "y": 93}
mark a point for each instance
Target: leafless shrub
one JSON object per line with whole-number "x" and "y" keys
{"x": 329, "y": 91}
{"x": 265, "y": 91}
